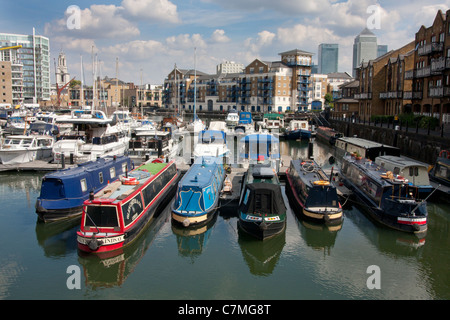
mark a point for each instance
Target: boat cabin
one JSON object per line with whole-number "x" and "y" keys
{"x": 365, "y": 148}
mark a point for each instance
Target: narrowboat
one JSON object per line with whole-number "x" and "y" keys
{"x": 414, "y": 172}
{"x": 64, "y": 191}
{"x": 385, "y": 197}
{"x": 441, "y": 170}
{"x": 365, "y": 148}
{"x": 255, "y": 146}
{"x": 116, "y": 215}
{"x": 262, "y": 212}
{"x": 198, "y": 192}
{"x": 311, "y": 193}
{"x": 328, "y": 135}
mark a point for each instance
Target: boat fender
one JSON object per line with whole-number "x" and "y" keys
{"x": 94, "y": 244}
{"x": 416, "y": 227}
{"x": 321, "y": 183}
{"x": 130, "y": 181}
{"x": 263, "y": 225}
{"x": 186, "y": 223}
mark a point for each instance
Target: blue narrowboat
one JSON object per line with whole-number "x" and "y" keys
{"x": 198, "y": 192}
{"x": 63, "y": 192}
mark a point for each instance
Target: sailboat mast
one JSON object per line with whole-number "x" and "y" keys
{"x": 81, "y": 80}
{"x": 195, "y": 83}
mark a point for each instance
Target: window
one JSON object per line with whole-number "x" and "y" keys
{"x": 83, "y": 185}
{"x": 100, "y": 177}
{"x": 112, "y": 172}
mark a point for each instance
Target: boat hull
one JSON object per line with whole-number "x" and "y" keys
{"x": 406, "y": 224}
{"x": 308, "y": 214}
{"x": 260, "y": 229}
{"x": 49, "y": 215}
{"x": 193, "y": 221}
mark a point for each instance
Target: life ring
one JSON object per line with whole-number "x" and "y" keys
{"x": 321, "y": 183}
{"x": 158, "y": 160}
{"x": 130, "y": 181}
{"x": 444, "y": 154}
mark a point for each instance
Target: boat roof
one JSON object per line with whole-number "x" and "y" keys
{"x": 309, "y": 176}
{"x": 94, "y": 165}
{"x": 262, "y": 173}
{"x": 401, "y": 162}
{"x": 364, "y": 143}
{"x": 22, "y": 136}
{"x": 201, "y": 172}
{"x": 372, "y": 170}
{"x": 212, "y": 135}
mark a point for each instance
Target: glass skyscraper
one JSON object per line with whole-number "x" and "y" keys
{"x": 328, "y": 58}
{"x": 34, "y": 56}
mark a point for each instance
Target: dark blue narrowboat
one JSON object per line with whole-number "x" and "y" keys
{"x": 311, "y": 193}
{"x": 63, "y": 192}
{"x": 388, "y": 199}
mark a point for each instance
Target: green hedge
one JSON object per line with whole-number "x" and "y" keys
{"x": 409, "y": 118}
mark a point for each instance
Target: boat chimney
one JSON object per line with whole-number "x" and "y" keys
{"x": 91, "y": 195}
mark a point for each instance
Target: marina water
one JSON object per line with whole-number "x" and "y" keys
{"x": 307, "y": 261}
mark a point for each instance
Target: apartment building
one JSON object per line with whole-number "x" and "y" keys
{"x": 262, "y": 86}
{"x": 319, "y": 90}
{"x": 414, "y": 78}
{"x": 346, "y": 105}
{"x": 378, "y": 82}
{"x": 33, "y": 58}
{"x": 430, "y": 74}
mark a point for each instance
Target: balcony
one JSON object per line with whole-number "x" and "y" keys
{"x": 391, "y": 95}
{"x": 409, "y": 75}
{"x": 363, "y": 96}
{"x": 437, "y": 65}
{"x": 412, "y": 95}
{"x": 436, "y": 92}
{"x": 430, "y": 48}
{"x": 423, "y": 72}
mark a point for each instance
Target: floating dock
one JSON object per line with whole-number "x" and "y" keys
{"x": 37, "y": 165}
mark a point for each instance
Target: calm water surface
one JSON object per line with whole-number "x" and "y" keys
{"x": 307, "y": 261}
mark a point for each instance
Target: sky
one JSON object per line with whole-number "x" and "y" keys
{"x": 142, "y": 40}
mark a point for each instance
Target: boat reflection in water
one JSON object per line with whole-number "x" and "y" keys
{"x": 192, "y": 241}
{"x": 113, "y": 268}
{"x": 261, "y": 256}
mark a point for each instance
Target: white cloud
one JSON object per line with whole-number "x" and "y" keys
{"x": 158, "y": 10}
{"x": 96, "y": 22}
{"x": 219, "y": 36}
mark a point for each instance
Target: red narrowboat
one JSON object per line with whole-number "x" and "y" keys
{"x": 115, "y": 216}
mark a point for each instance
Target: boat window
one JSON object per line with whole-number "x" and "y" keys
{"x": 396, "y": 170}
{"x": 101, "y": 216}
{"x": 100, "y": 177}
{"x": 83, "y": 185}
{"x": 246, "y": 196}
{"x": 443, "y": 172}
{"x": 112, "y": 172}
{"x": 413, "y": 171}
{"x": 124, "y": 167}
